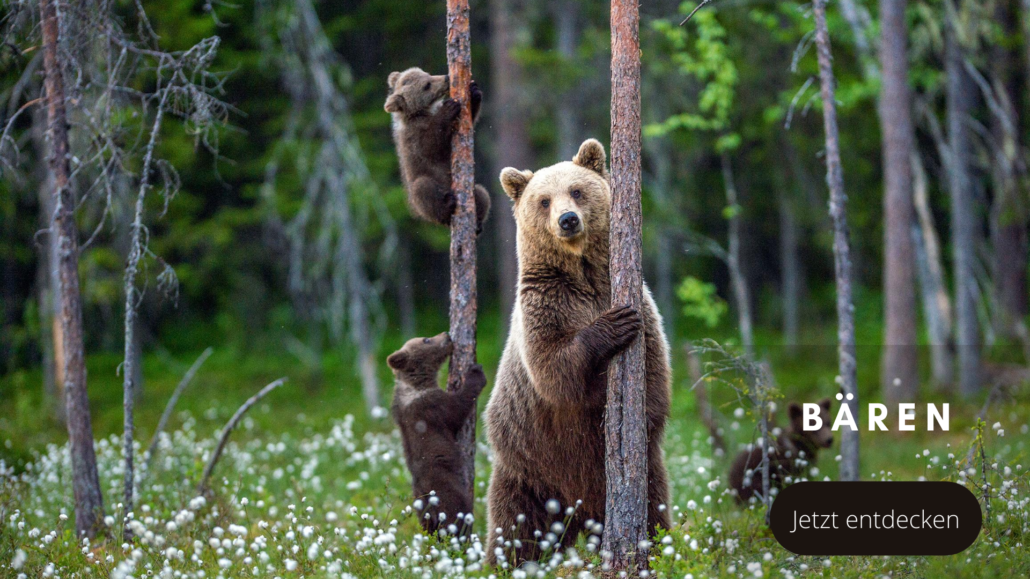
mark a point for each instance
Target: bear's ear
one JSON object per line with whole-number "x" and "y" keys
{"x": 514, "y": 182}
{"x": 591, "y": 156}
{"x": 794, "y": 411}
{"x": 391, "y": 80}
{"x": 394, "y": 104}
{"x": 825, "y": 403}
{"x": 398, "y": 360}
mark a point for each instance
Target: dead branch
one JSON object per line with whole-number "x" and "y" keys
{"x": 694, "y": 11}
{"x": 229, "y": 426}
{"x": 167, "y": 414}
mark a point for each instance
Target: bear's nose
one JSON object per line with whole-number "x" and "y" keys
{"x": 568, "y": 221}
{"x": 829, "y": 442}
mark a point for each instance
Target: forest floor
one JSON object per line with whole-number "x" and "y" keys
{"x": 310, "y": 487}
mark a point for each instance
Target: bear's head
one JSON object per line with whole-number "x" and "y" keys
{"x": 421, "y": 358}
{"x": 414, "y": 90}
{"x": 822, "y": 438}
{"x": 568, "y": 204}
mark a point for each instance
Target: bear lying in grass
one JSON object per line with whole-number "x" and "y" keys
{"x": 545, "y": 418}
{"x": 792, "y": 452}
{"x": 429, "y": 419}
{"x": 423, "y": 124}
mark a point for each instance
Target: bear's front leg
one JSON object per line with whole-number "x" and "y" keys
{"x": 461, "y": 404}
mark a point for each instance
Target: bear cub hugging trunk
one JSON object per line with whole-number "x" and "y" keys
{"x": 792, "y": 452}
{"x": 429, "y": 419}
{"x": 545, "y": 418}
{"x": 424, "y": 119}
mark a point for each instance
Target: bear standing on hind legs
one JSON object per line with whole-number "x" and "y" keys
{"x": 545, "y": 418}
{"x": 429, "y": 419}
{"x": 423, "y": 124}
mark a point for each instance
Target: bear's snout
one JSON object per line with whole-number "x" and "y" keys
{"x": 570, "y": 223}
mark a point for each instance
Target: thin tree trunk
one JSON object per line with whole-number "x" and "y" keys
{"x": 704, "y": 406}
{"x": 899, "y": 371}
{"x": 463, "y": 227}
{"x": 790, "y": 265}
{"x": 47, "y": 278}
{"x": 406, "y": 289}
{"x": 929, "y": 265}
{"x": 89, "y": 503}
{"x": 625, "y": 525}
{"x": 1008, "y": 212}
{"x": 512, "y": 139}
{"x": 961, "y": 100}
{"x": 849, "y": 465}
{"x": 566, "y": 15}
{"x": 737, "y": 279}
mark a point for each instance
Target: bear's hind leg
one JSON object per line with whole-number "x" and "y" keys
{"x": 517, "y": 511}
{"x": 482, "y": 207}
{"x": 432, "y": 201}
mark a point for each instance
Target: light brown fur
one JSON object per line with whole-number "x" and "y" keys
{"x": 545, "y": 418}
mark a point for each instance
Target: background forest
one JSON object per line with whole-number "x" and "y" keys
{"x": 235, "y": 187}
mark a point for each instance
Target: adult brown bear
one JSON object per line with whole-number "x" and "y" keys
{"x": 545, "y": 418}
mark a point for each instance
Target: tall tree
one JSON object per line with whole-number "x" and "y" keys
{"x": 899, "y": 372}
{"x": 961, "y": 95}
{"x": 849, "y": 465}
{"x": 567, "y": 23}
{"x": 625, "y": 419}
{"x": 463, "y": 226}
{"x": 89, "y": 503}
{"x": 512, "y": 138}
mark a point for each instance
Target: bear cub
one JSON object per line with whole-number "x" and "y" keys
{"x": 792, "y": 452}
{"x": 423, "y": 124}
{"x": 429, "y": 419}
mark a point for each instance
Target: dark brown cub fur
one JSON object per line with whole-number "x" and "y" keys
{"x": 793, "y": 451}
{"x": 423, "y": 124}
{"x": 429, "y": 419}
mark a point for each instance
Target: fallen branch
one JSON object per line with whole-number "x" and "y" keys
{"x": 229, "y": 428}
{"x": 186, "y": 379}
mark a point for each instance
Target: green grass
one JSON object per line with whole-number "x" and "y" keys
{"x": 346, "y": 481}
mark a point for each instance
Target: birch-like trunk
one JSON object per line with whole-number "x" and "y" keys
{"x": 899, "y": 376}
{"x": 89, "y": 504}
{"x": 790, "y": 267}
{"x": 463, "y": 227}
{"x": 737, "y": 279}
{"x": 566, "y": 20}
{"x": 849, "y": 465}
{"x": 625, "y": 520}
{"x": 960, "y": 102}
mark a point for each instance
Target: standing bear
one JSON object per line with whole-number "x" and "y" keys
{"x": 545, "y": 418}
{"x": 429, "y": 419}
{"x": 423, "y": 124}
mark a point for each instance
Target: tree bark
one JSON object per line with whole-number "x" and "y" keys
{"x": 960, "y": 103}
{"x": 406, "y": 289}
{"x": 89, "y": 505}
{"x": 512, "y": 141}
{"x": 737, "y": 279}
{"x": 899, "y": 372}
{"x": 849, "y": 464}
{"x": 790, "y": 265}
{"x": 463, "y": 226}
{"x": 625, "y": 525}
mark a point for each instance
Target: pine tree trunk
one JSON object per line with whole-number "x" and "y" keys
{"x": 899, "y": 372}
{"x": 625, "y": 525}
{"x": 566, "y": 15}
{"x": 849, "y": 464}
{"x": 406, "y": 289}
{"x": 463, "y": 226}
{"x": 961, "y": 100}
{"x": 737, "y": 279}
{"x": 89, "y": 506}
{"x": 513, "y": 147}
{"x": 790, "y": 267}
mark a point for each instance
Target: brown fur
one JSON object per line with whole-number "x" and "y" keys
{"x": 786, "y": 459}
{"x": 545, "y": 418}
{"x": 429, "y": 419}
{"x": 423, "y": 124}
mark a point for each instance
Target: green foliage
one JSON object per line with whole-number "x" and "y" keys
{"x": 701, "y": 301}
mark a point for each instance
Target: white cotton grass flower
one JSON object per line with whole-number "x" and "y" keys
{"x": 18, "y": 561}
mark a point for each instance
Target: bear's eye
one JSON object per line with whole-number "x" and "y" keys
{"x": 425, "y": 340}
{"x": 427, "y": 86}
{"x": 545, "y": 203}
{"x": 576, "y": 194}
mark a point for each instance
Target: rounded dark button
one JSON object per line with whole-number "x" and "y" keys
{"x": 875, "y": 518}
